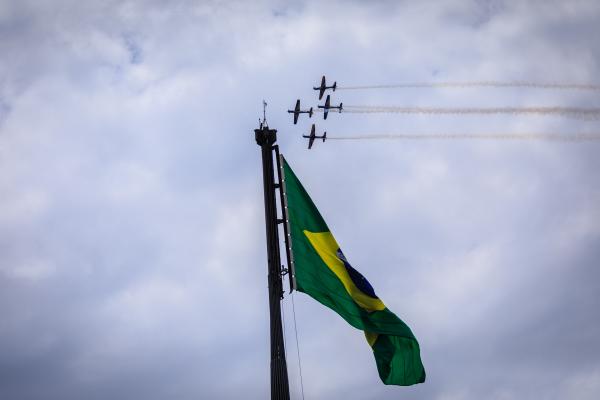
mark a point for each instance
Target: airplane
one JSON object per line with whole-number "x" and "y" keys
{"x": 328, "y": 107}
{"x": 311, "y": 138}
{"x": 296, "y": 111}
{"x": 324, "y": 87}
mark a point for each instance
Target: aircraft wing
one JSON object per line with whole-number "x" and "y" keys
{"x": 296, "y": 111}
{"x": 322, "y": 88}
{"x": 310, "y": 142}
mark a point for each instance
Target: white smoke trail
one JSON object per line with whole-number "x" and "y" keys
{"x": 478, "y": 84}
{"x": 587, "y": 114}
{"x": 556, "y": 137}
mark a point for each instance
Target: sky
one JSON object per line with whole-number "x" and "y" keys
{"x": 132, "y": 247}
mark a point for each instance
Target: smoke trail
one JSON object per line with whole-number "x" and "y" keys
{"x": 587, "y": 114}
{"x": 476, "y": 84}
{"x": 556, "y": 137}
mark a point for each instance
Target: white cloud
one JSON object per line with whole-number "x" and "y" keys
{"x": 132, "y": 249}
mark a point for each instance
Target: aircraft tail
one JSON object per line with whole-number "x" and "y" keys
{"x": 334, "y": 86}
{"x": 310, "y": 112}
{"x": 324, "y": 136}
{"x": 341, "y": 107}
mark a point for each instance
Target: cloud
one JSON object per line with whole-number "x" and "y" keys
{"x": 132, "y": 255}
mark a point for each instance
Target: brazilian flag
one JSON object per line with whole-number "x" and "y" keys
{"x": 322, "y": 271}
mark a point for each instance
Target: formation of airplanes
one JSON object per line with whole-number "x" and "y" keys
{"x": 326, "y": 107}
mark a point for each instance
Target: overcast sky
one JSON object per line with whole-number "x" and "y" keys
{"x": 132, "y": 251}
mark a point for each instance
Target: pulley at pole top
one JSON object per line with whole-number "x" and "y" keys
{"x": 264, "y": 135}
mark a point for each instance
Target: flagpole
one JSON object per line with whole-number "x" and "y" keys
{"x": 266, "y": 139}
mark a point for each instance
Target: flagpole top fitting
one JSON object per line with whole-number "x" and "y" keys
{"x": 263, "y": 121}
{"x": 264, "y": 135}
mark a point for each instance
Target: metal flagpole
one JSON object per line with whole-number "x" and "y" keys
{"x": 266, "y": 139}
